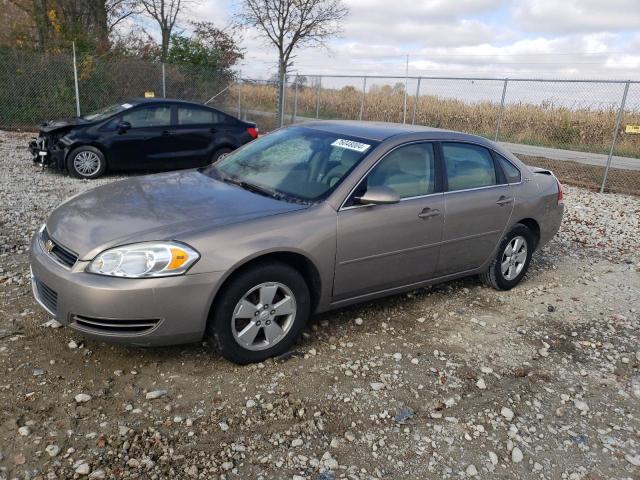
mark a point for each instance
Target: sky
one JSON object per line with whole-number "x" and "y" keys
{"x": 488, "y": 38}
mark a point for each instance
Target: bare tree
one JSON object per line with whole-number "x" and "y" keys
{"x": 292, "y": 24}
{"x": 165, "y": 13}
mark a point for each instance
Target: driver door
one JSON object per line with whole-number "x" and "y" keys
{"x": 148, "y": 144}
{"x": 386, "y": 246}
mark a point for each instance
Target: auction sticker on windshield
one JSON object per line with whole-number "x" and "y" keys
{"x": 351, "y": 145}
{"x": 126, "y": 105}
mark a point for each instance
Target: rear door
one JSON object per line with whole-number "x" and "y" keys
{"x": 197, "y": 128}
{"x": 385, "y": 246}
{"x": 148, "y": 143}
{"x": 477, "y": 205}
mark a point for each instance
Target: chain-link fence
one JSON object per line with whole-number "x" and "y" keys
{"x": 585, "y": 131}
{"x": 580, "y": 129}
{"x": 37, "y": 87}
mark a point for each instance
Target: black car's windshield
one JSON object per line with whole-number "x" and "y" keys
{"x": 298, "y": 162}
{"x": 106, "y": 112}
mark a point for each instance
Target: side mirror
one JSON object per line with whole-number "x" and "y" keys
{"x": 380, "y": 195}
{"x": 123, "y": 127}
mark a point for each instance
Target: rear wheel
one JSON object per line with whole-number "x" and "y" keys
{"x": 220, "y": 154}
{"x": 260, "y": 313}
{"x": 512, "y": 260}
{"x": 86, "y": 162}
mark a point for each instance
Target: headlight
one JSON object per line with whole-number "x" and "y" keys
{"x": 142, "y": 260}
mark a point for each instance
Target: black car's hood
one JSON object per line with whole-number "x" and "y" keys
{"x": 53, "y": 126}
{"x": 154, "y": 207}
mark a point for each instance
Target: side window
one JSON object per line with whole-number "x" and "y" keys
{"x": 408, "y": 170}
{"x": 509, "y": 169}
{"x": 197, "y": 116}
{"x": 468, "y": 166}
{"x": 159, "y": 116}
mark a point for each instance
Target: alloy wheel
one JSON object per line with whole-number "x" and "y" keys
{"x": 514, "y": 258}
{"x": 263, "y": 316}
{"x": 86, "y": 163}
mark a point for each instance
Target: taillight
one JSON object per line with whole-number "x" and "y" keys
{"x": 560, "y": 193}
{"x": 253, "y": 131}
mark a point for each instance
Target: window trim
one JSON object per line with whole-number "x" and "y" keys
{"x": 438, "y": 177}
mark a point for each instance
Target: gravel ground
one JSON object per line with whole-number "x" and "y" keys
{"x": 452, "y": 381}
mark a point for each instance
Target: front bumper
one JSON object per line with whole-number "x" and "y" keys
{"x": 146, "y": 312}
{"x": 46, "y": 154}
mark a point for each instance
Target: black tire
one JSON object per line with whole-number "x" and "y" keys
{"x": 493, "y": 276}
{"x": 89, "y": 151}
{"x": 220, "y": 153}
{"x": 219, "y": 327}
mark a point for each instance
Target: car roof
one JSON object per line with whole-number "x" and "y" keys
{"x": 380, "y": 131}
{"x": 143, "y": 101}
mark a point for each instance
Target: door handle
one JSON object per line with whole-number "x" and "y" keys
{"x": 504, "y": 201}
{"x": 213, "y": 130}
{"x": 428, "y": 212}
{"x": 166, "y": 133}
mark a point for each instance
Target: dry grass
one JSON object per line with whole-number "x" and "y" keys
{"x": 548, "y": 124}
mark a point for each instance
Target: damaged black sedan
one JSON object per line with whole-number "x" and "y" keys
{"x": 142, "y": 134}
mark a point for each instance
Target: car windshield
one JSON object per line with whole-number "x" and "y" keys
{"x": 106, "y": 112}
{"x": 295, "y": 163}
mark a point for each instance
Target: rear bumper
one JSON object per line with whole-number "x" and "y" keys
{"x": 146, "y": 312}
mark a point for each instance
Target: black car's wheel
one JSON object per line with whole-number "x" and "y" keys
{"x": 260, "y": 313}
{"x": 86, "y": 162}
{"x": 220, "y": 154}
{"x": 512, "y": 260}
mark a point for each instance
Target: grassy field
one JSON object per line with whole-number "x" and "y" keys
{"x": 588, "y": 130}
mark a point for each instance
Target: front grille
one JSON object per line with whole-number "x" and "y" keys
{"x": 61, "y": 254}
{"x": 115, "y": 326}
{"x": 47, "y": 296}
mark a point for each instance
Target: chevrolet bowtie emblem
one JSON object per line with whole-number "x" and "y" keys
{"x": 49, "y": 245}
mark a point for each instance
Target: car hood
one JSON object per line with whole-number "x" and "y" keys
{"x": 165, "y": 206}
{"x": 54, "y": 126}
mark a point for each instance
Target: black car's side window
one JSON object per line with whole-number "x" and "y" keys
{"x": 468, "y": 166}
{"x": 156, "y": 116}
{"x": 511, "y": 173}
{"x": 198, "y": 116}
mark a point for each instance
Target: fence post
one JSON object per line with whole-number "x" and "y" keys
{"x": 499, "y": 120}
{"x": 239, "y": 98}
{"x": 75, "y": 79}
{"x": 364, "y": 94}
{"x": 615, "y": 134}
{"x": 295, "y": 101}
{"x": 318, "y": 96}
{"x": 415, "y": 107}
{"x": 164, "y": 82}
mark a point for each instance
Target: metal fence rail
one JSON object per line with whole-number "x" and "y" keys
{"x": 578, "y": 128}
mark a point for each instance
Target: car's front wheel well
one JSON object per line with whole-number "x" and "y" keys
{"x": 299, "y": 262}
{"x": 534, "y": 226}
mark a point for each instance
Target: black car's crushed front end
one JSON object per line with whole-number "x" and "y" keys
{"x": 47, "y": 149}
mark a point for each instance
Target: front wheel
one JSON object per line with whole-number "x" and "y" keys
{"x": 86, "y": 162}
{"x": 260, "y": 313}
{"x": 512, "y": 260}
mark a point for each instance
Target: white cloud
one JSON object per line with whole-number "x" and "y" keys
{"x": 577, "y": 15}
{"x": 497, "y": 38}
